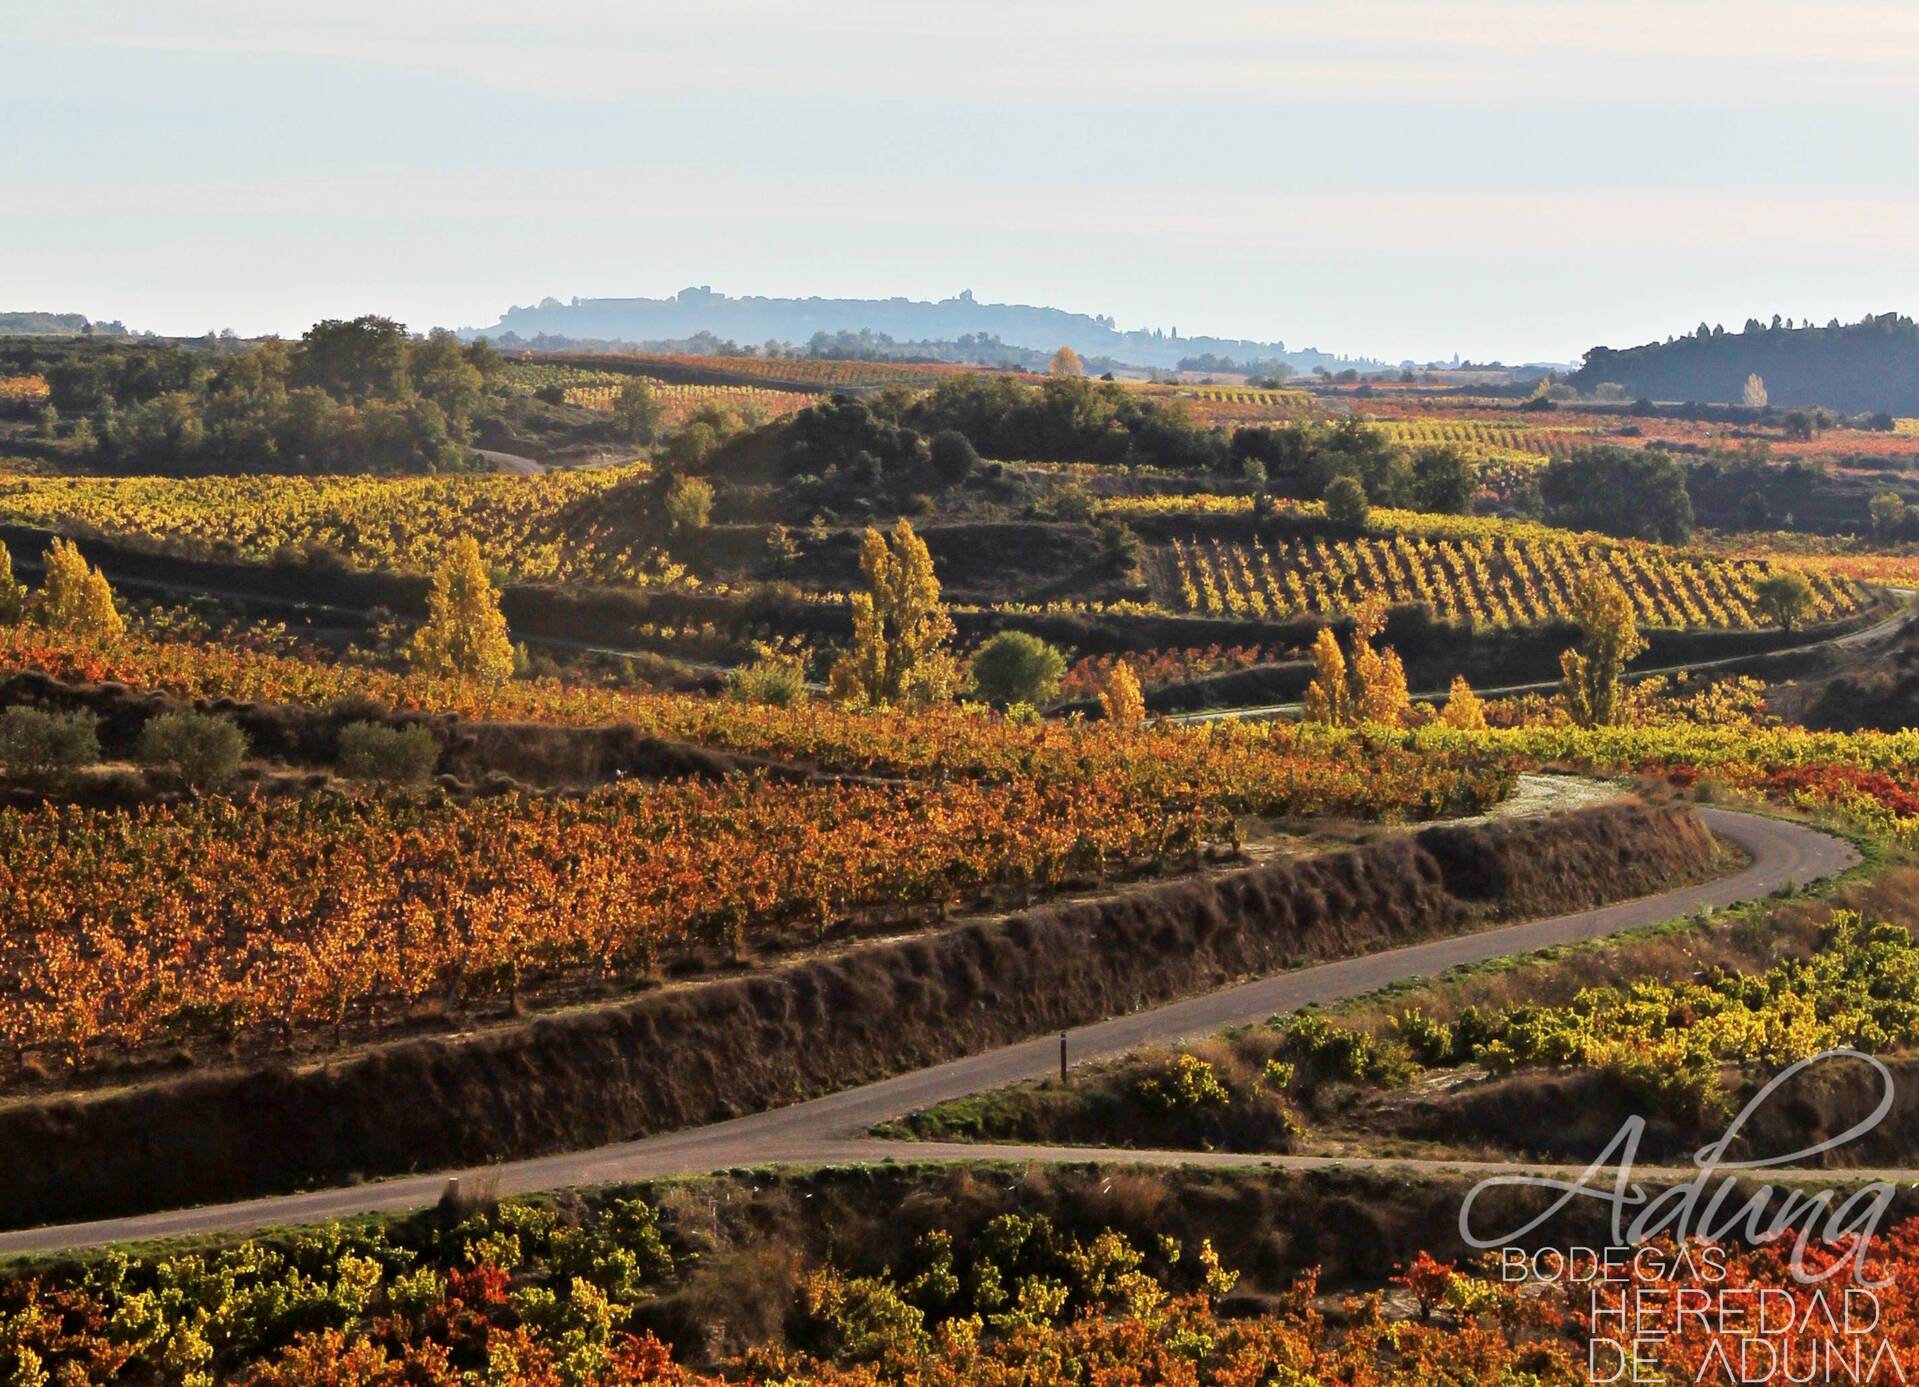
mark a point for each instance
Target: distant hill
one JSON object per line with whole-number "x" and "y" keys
{"x": 1865, "y": 367}
{"x": 29, "y": 324}
{"x": 753, "y": 320}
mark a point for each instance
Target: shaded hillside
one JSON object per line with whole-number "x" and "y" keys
{"x": 1870, "y": 366}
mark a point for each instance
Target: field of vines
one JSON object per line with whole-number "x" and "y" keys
{"x": 29, "y": 388}
{"x": 1490, "y": 581}
{"x": 1485, "y": 440}
{"x": 524, "y": 1293}
{"x": 597, "y": 389}
{"x": 571, "y": 525}
{"x": 1228, "y": 405}
{"x": 807, "y": 372}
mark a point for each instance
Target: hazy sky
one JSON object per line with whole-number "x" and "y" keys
{"x": 1396, "y": 179}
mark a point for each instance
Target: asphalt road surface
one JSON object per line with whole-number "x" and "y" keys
{"x": 828, "y": 1130}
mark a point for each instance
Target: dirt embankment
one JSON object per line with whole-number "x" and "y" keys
{"x": 689, "y": 1055}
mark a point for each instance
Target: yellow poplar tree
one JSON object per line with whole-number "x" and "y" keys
{"x": 1380, "y": 693}
{"x": 900, "y": 627}
{"x": 1120, "y": 699}
{"x": 1608, "y": 638}
{"x": 1066, "y": 363}
{"x": 75, "y": 598}
{"x": 1465, "y": 711}
{"x": 1327, "y": 697}
{"x": 465, "y": 634}
{"x": 13, "y": 597}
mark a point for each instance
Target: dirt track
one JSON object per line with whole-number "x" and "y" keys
{"x": 827, "y": 1130}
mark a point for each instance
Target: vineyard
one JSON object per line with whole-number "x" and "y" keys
{"x": 557, "y": 527}
{"x": 1489, "y": 581}
{"x": 524, "y": 1293}
{"x": 29, "y": 388}
{"x": 1486, "y": 441}
{"x": 1226, "y": 405}
{"x": 597, "y": 390}
{"x": 804, "y": 372}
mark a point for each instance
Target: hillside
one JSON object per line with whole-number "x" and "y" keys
{"x": 752, "y": 319}
{"x": 1863, "y": 367}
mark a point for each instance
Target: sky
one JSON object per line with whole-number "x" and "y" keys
{"x": 1374, "y": 177}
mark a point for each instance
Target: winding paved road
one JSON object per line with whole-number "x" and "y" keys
{"x": 828, "y": 1130}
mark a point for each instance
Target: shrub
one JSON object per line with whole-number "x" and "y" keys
{"x": 199, "y": 751}
{"x": 43, "y": 746}
{"x": 1186, "y": 1082}
{"x": 1015, "y": 667}
{"x": 953, "y": 456}
{"x": 689, "y": 502}
{"x": 1346, "y": 503}
{"x": 393, "y": 756}
{"x": 775, "y": 678}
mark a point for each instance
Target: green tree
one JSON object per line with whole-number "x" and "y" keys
{"x": 390, "y": 756}
{"x": 75, "y": 598}
{"x": 465, "y": 635}
{"x": 1442, "y": 480}
{"x": 1618, "y": 491}
{"x": 197, "y": 750}
{"x": 900, "y": 627}
{"x": 1015, "y": 667}
{"x": 354, "y": 359}
{"x": 1888, "y": 510}
{"x": 953, "y": 456}
{"x": 46, "y": 746}
{"x": 689, "y": 503}
{"x": 1608, "y": 638}
{"x": 13, "y": 596}
{"x": 1346, "y": 504}
{"x": 1785, "y": 597}
{"x": 692, "y": 443}
{"x": 637, "y": 411}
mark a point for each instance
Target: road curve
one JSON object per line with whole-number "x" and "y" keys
{"x": 828, "y": 1130}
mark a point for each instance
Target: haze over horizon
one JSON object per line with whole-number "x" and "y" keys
{"x": 1375, "y": 179}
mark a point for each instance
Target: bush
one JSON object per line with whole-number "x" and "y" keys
{"x": 1015, "y": 667}
{"x": 393, "y": 756}
{"x": 43, "y": 746}
{"x": 953, "y": 456}
{"x": 776, "y": 677}
{"x": 199, "y": 751}
{"x": 689, "y": 502}
{"x": 1346, "y": 503}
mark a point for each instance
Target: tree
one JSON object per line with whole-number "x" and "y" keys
{"x": 1618, "y": 491}
{"x": 45, "y": 746}
{"x": 74, "y": 597}
{"x": 1785, "y": 597}
{"x": 390, "y": 756}
{"x": 355, "y": 359}
{"x": 900, "y": 627}
{"x": 1443, "y": 480}
{"x": 199, "y": 751}
{"x": 1754, "y": 396}
{"x": 1379, "y": 691}
{"x": 1608, "y": 638}
{"x": 953, "y": 456}
{"x": 637, "y": 411}
{"x": 1066, "y": 364}
{"x": 1120, "y": 699}
{"x": 1888, "y": 511}
{"x": 1465, "y": 711}
{"x": 1014, "y": 667}
{"x": 465, "y": 636}
{"x": 1328, "y": 699}
{"x": 1346, "y": 504}
{"x": 13, "y": 596}
{"x": 689, "y": 503}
